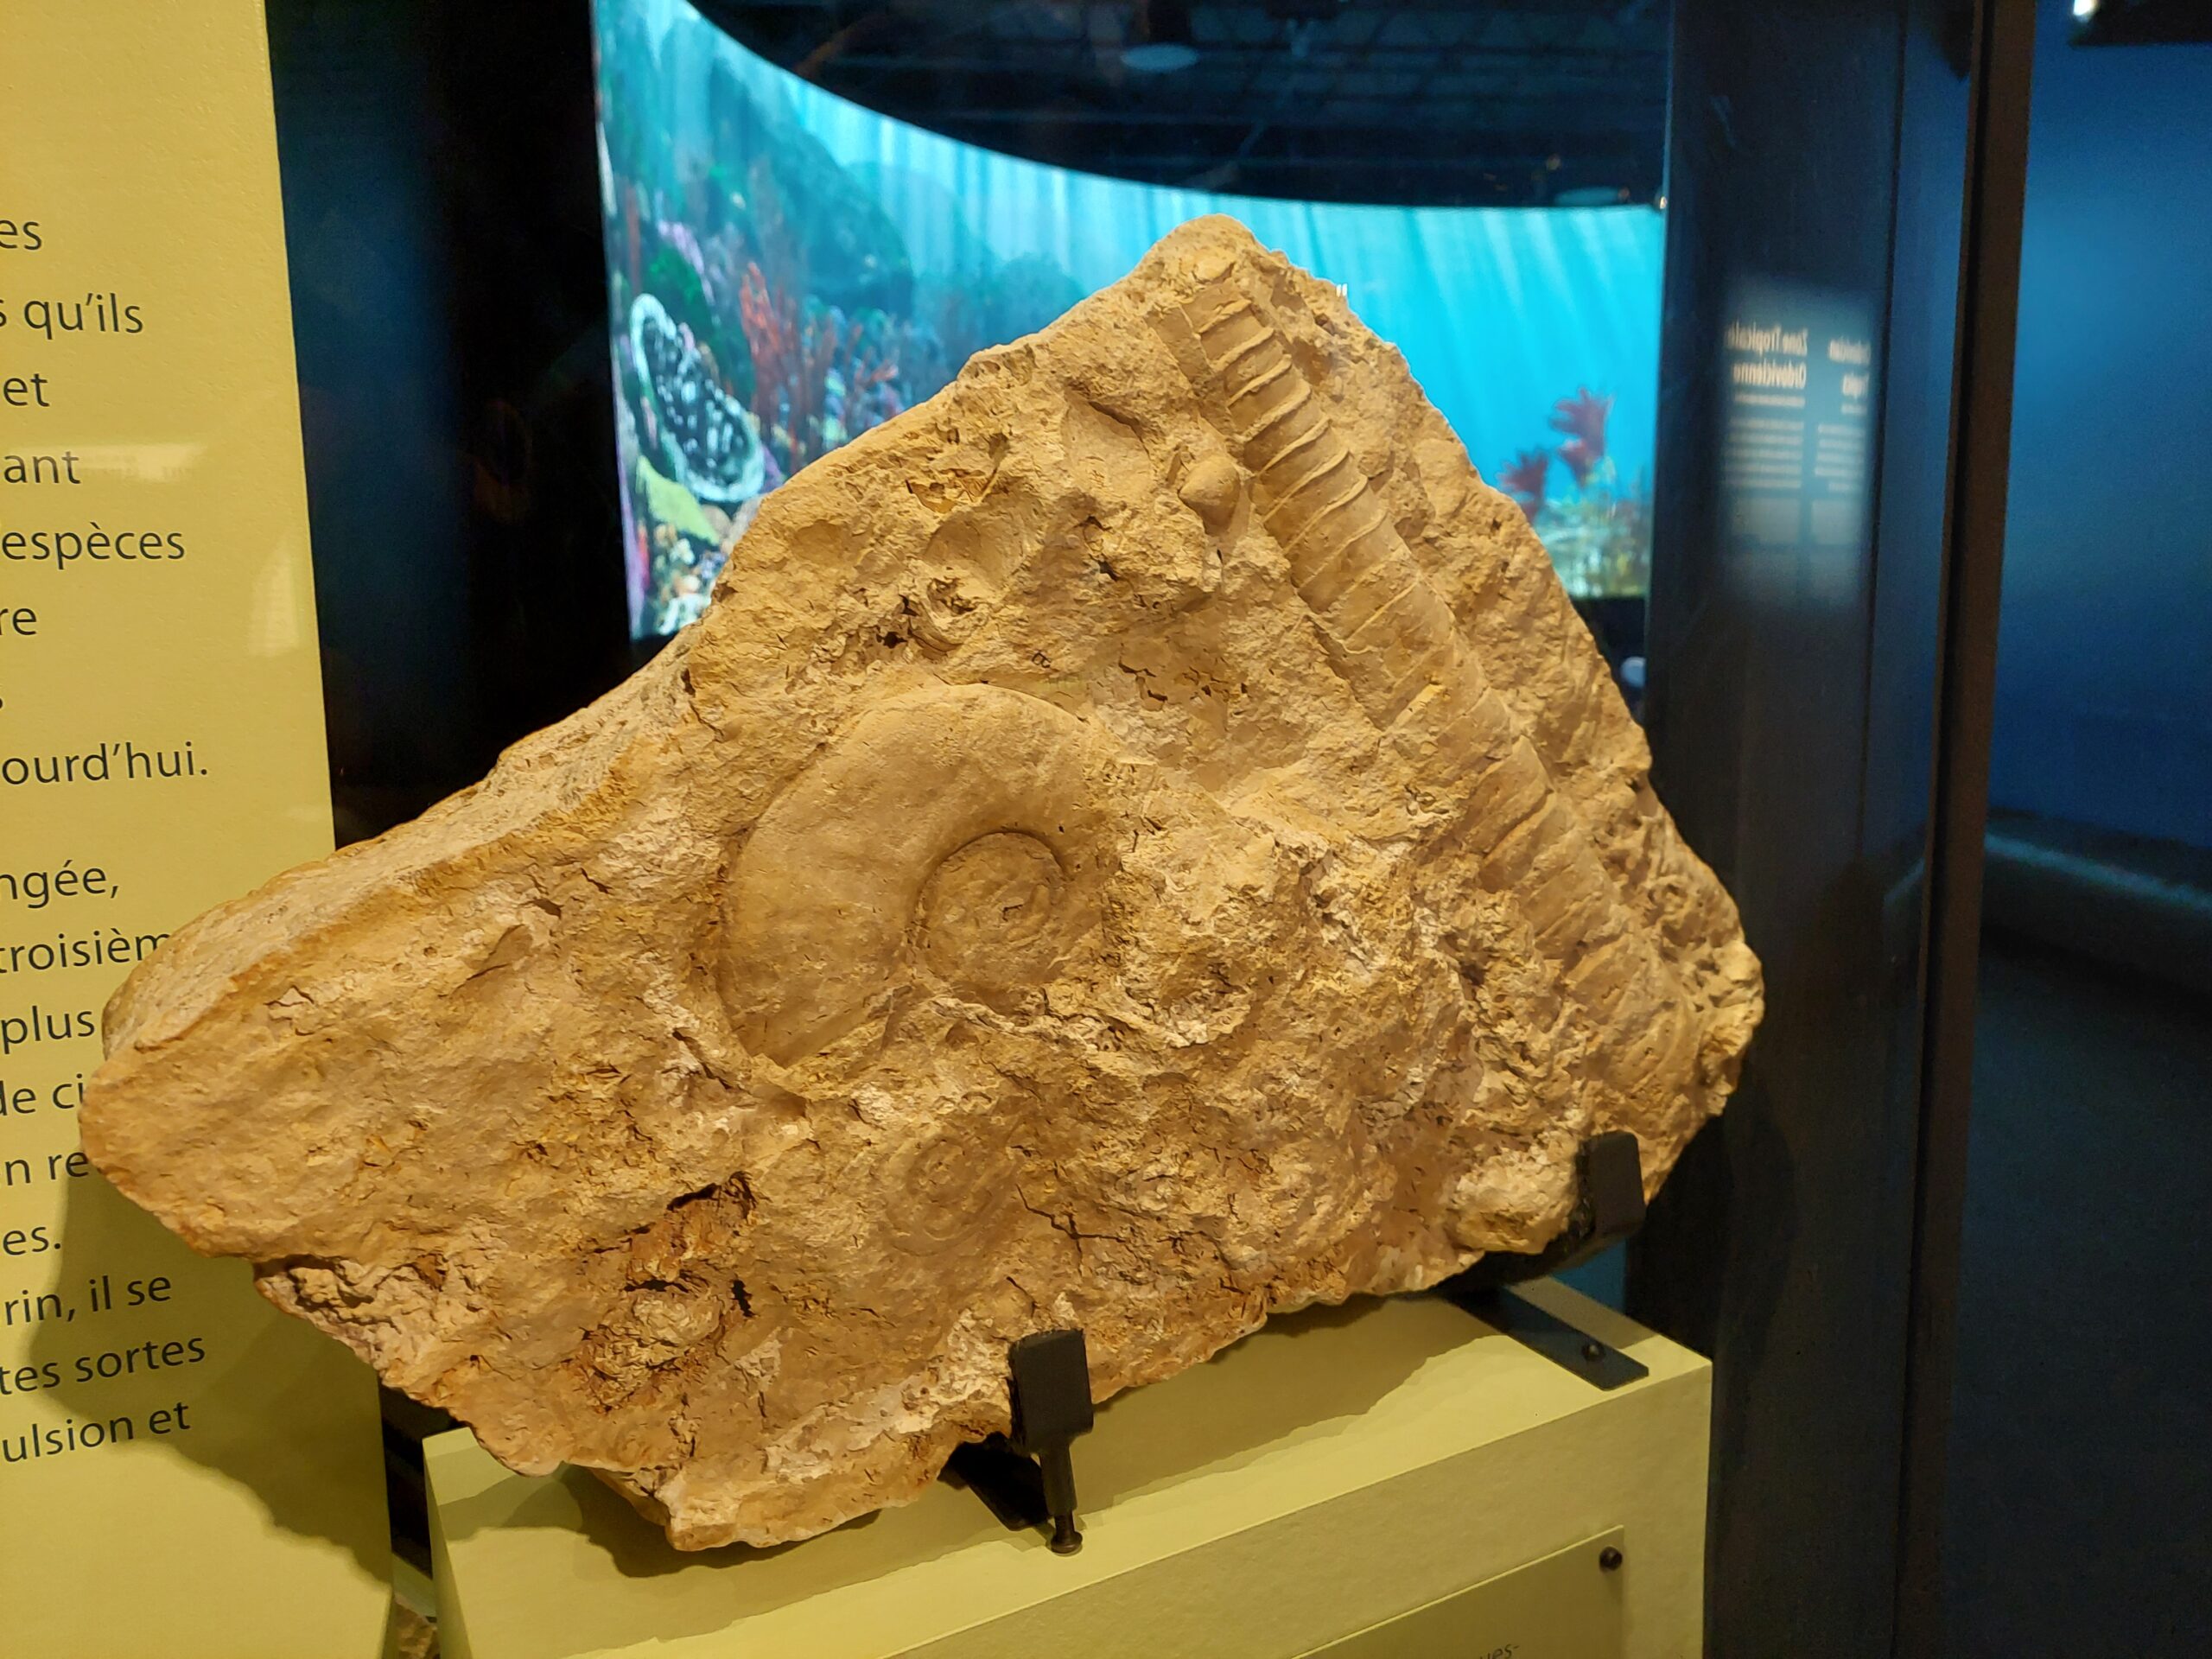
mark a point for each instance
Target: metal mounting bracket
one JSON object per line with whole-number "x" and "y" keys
{"x": 1027, "y": 1479}
{"x": 1608, "y": 1208}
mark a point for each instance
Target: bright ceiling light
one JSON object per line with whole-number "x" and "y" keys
{"x": 1160, "y": 41}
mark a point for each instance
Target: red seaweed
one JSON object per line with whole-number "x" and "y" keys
{"x": 1524, "y": 479}
{"x": 1583, "y": 417}
{"x": 794, "y": 356}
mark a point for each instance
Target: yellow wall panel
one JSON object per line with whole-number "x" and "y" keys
{"x": 186, "y": 1471}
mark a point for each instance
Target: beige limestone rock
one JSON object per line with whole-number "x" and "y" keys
{"x": 1141, "y": 840}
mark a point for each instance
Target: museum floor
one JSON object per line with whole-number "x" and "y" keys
{"x": 2081, "y": 1500}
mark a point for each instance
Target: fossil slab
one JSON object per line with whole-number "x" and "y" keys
{"x": 1141, "y": 840}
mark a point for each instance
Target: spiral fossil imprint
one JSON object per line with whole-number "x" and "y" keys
{"x": 823, "y": 899}
{"x": 1140, "y": 841}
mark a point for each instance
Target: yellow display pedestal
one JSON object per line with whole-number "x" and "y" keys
{"x": 1387, "y": 1479}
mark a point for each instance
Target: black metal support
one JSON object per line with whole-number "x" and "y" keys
{"x": 1027, "y": 1479}
{"x": 1608, "y": 1208}
{"x": 1567, "y": 1346}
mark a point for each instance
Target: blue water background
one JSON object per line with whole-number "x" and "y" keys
{"x": 1500, "y": 312}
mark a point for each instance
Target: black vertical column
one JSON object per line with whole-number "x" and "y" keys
{"x": 1996, "y": 185}
{"x": 1814, "y": 206}
{"x": 442, "y": 212}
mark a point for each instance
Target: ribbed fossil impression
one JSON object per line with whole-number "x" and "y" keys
{"x": 1139, "y": 841}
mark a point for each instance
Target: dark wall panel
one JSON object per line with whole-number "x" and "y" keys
{"x": 450, "y": 309}
{"x": 2105, "y": 704}
{"x": 1790, "y": 704}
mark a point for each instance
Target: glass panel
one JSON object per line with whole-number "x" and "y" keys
{"x": 2079, "y": 1497}
{"x": 550, "y": 363}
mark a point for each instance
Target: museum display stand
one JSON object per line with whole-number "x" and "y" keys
{"x": 1390, "y": 1477}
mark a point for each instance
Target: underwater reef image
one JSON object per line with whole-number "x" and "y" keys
{"x": 786, "y": 270}
{"x": 766, "y": 309}
{"x": 1598, "y": 533}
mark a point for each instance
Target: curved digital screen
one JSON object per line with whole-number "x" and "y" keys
{"x": 786, "y": 269}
